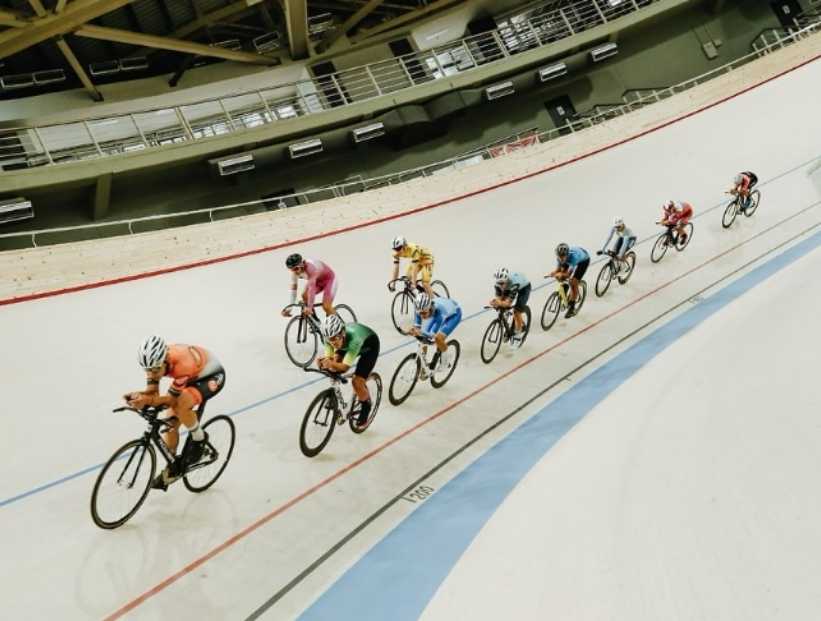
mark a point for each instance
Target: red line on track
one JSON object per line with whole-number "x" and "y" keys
{"x": 368, "y": 223}
{"x": 367, "y": 456}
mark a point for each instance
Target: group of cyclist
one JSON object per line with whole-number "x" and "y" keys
{"x": 197, "y": 374}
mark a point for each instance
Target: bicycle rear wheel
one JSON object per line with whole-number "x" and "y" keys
{"x": 439, "y": 288}
{"x": 215, "y": 457}
{"x": 403, "y": 311}
{"x": 375, "y": 390}
{"x": 123, "y": 484}
{"x": 345, "y": 313}
{"x": 688, "y": 231}
{"x": 492, "y": 341}
{"x": 630, "y": 262}
{"x": 604, "y": 278}
{"x": 404, "y": 379}
{"x": 450, "y": 358}
{"x": 581, "y": 297}
{"x": 318, "y": 423}
{"x": 550, "y": 312}
{"x": 525, "y": 326}
{"x": 730, "y": 212}
{"x": 659, "y": 248}
{"x": 752, "y": 205}
{"x": 300, "y": 342}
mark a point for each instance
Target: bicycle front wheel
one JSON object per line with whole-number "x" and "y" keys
{"x": 730, "y": 212}
{"x": 375, "y": 391}
{"x": 123, "y": 484}
{"x": 439, "y": 288}
{"x": 492, "y": 341}
{"x": 404, "y": 379}
{"x": 627, "y": 272}
{"x": 659, "y": 248}
{"x": 752, "y": 204}
{"x": 318, "y": 423}
{"x": 447, "y": 365}
{"x": 217, "y": 454}
{"x": 604, "y": 278}
{"x": 403, "y": 311}
{"x": 345, "y": 313}
{"x": 551, "y": 310}
{"x": 300, "y": 342}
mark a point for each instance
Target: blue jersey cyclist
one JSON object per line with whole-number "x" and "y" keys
{"x": 440, "y": 317}
{"x": 625, "y": 239}
{"x": 573, "y": 262}
{"x": 511, "y": 289}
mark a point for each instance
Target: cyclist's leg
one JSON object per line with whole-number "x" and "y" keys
{"x": 425, "y": 274}
{"x": 364, "y": 368}
{"x": 619, "y": 249}
{"x": 519, "y": 308}
{"x": 328, "y": 291}
{"x": 578, "y": 274}
{"x": 447, "y": 329}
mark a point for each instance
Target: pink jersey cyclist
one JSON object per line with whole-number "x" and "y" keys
{"x": 320, "y": 277}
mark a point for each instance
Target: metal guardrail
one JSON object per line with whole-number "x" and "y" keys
{"x": 45, "y": 145}
{"x": 493, "y": 150}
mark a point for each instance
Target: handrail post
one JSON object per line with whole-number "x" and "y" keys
{"x": 34, "y": 240}
{"x": 271, "y": 115}
{"x": 227, "y": 116}
{"x": 93, "y": 139}
{"x": 500, "y": 43}
{"x": 184, "y": 122}
{"x": 598, "y": 9}
{"x": 534, "y": 33}
{"x": 567, "y": 22}
{"x": 339, "y": 90}
{"x": 469, "y": 53}
{"x": 139, "y": 129}
{"x": 373, "y": 79}
{"x": 43, "y": 145}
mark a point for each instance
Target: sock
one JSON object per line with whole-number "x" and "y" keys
{"x": 197, "y": 433}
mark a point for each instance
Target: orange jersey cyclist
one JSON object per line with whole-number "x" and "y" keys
{"x": 346, "y": 344}
{"x": 421, "y": 266}
{"x": 743, "y": 184}
{"x": 321, "y": 279}
{"x": 196, "y": 376}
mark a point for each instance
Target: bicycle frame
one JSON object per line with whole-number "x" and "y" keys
{"x": 337, "y": 380}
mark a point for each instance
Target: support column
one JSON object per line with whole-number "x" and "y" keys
{"x": 102, "y": 197}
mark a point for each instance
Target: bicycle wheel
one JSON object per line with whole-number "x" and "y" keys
{"x": 375, "y": 390}
{"x": 123, "y": 484}
{"x": 550, "y": 312}
{"x": 492, "y": 341}
{"x": 345, "y": 313}
{"x": 604, "y": 278}
{"x": 659, "y": 248}
{"x": 526, "y": 326}
{"x": 318, "y": 423}
{"x": 441, "y": 376}
{"x": 404, "y": 379}
{"x": 688, "y": 230}
{"x": 215, "y": 457}
{"x": 439, "y": 288}
{"x": 300, "y": 342}
{"x": 752, "y": 205}
{"x": 627, "y": 272}
{"x": 403, "y": 311}
{"x": 582, "y": 297}
{"x": 730, "y": 212}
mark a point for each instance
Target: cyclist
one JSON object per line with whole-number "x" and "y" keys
{"x": 421, "y": 263}
{"x": 572, "y": 263}
{"x": 512, "y": 289}
{"x": 197, "y": 376}
{"x": 677, "y": 214}
{"x": 321, "y": 279}
{"x": 442, "y": 316}
{"x": 625, "y": 239}
{"x": 743, "y": 184}
{"x": 344, "y": 343}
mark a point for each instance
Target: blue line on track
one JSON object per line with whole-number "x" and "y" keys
{"x": 403, "y": 571}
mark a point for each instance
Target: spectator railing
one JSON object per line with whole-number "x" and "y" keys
{"x": 498, "y": 148}
{"x": 44, "y": 145}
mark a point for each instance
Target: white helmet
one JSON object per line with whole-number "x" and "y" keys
{"x": 739, "y": 179}
{"x": 398, "y": 242}
{"x": 423, "y": 302}
{"x": 333, "y": 325}
{"x": 502, "y": 274}
{"x": 152, "y": 352}
{"x": 617, "y": 221}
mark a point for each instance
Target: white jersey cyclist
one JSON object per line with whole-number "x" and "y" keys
{"x": 625, "y": 239}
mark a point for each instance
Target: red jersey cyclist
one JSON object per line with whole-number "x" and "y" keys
{"x": 743, "y": 184}
{"x": 321, "y": 279}
{"x": 677, "y": 214}
{"x": 197, "y": 376}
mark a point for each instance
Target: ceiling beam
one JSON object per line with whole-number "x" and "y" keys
{"x": 78, "y": 69}
{"x": 73, "y": 16}
{"x": 214, "y": 17}
{"x": 13, "y": 19}
{"x": 333, "y": 36}
{"x": 167, "y": 43}
{"x": 38, "y": 7}
{"x": 61, "y": 4}
{"x": 296, "y": 18}
{"x": 403, "y": 19}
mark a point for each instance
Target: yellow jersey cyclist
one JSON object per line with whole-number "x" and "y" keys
{"x": 196, "y": 376}
{"x": 572, "y": 263}
{"x": 346, "y": 344}
{"x": 421, "y": 266}
{"x": 512, "y": 289}
{"x": 440, "y": 317}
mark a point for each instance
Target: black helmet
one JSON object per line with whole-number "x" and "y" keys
{"x": 293, "y": 260}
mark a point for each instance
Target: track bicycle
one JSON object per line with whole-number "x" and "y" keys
{"x": 559, "y": 301}
{"x": 303, "y": 334}
{"x": 615, "y": 268}
{"x": 502, "y": 329}
{"x": 415, "y": 367}
{"x": 403, "y": 305}
{"x": 330, "y": 408}
{"x": 130, "y": 471}
{"x": 735, "y": 206}
{"x": 669, "y": 238}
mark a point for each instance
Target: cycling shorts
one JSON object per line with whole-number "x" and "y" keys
{"x": 521, "y": 298}
{"x": 367, "y": 361}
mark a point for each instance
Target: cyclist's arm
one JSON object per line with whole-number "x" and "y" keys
{"x": 395, "y": 273}
{"x": 609, "y": 237}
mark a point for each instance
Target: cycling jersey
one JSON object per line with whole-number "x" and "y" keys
{"x": 414, "y": 252}
{"x": 679, "y": 213}
{"x": 748, "y": 180}
{"x": 446, "y": 316}
{"x": 576, "y": 255}
{"x": 320, "y": 277}
{"x": 194, "y": 370}
{"x": 625, "y": 233}
{"x": 355, "y": 345}
{"x": 516, "y": 282}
